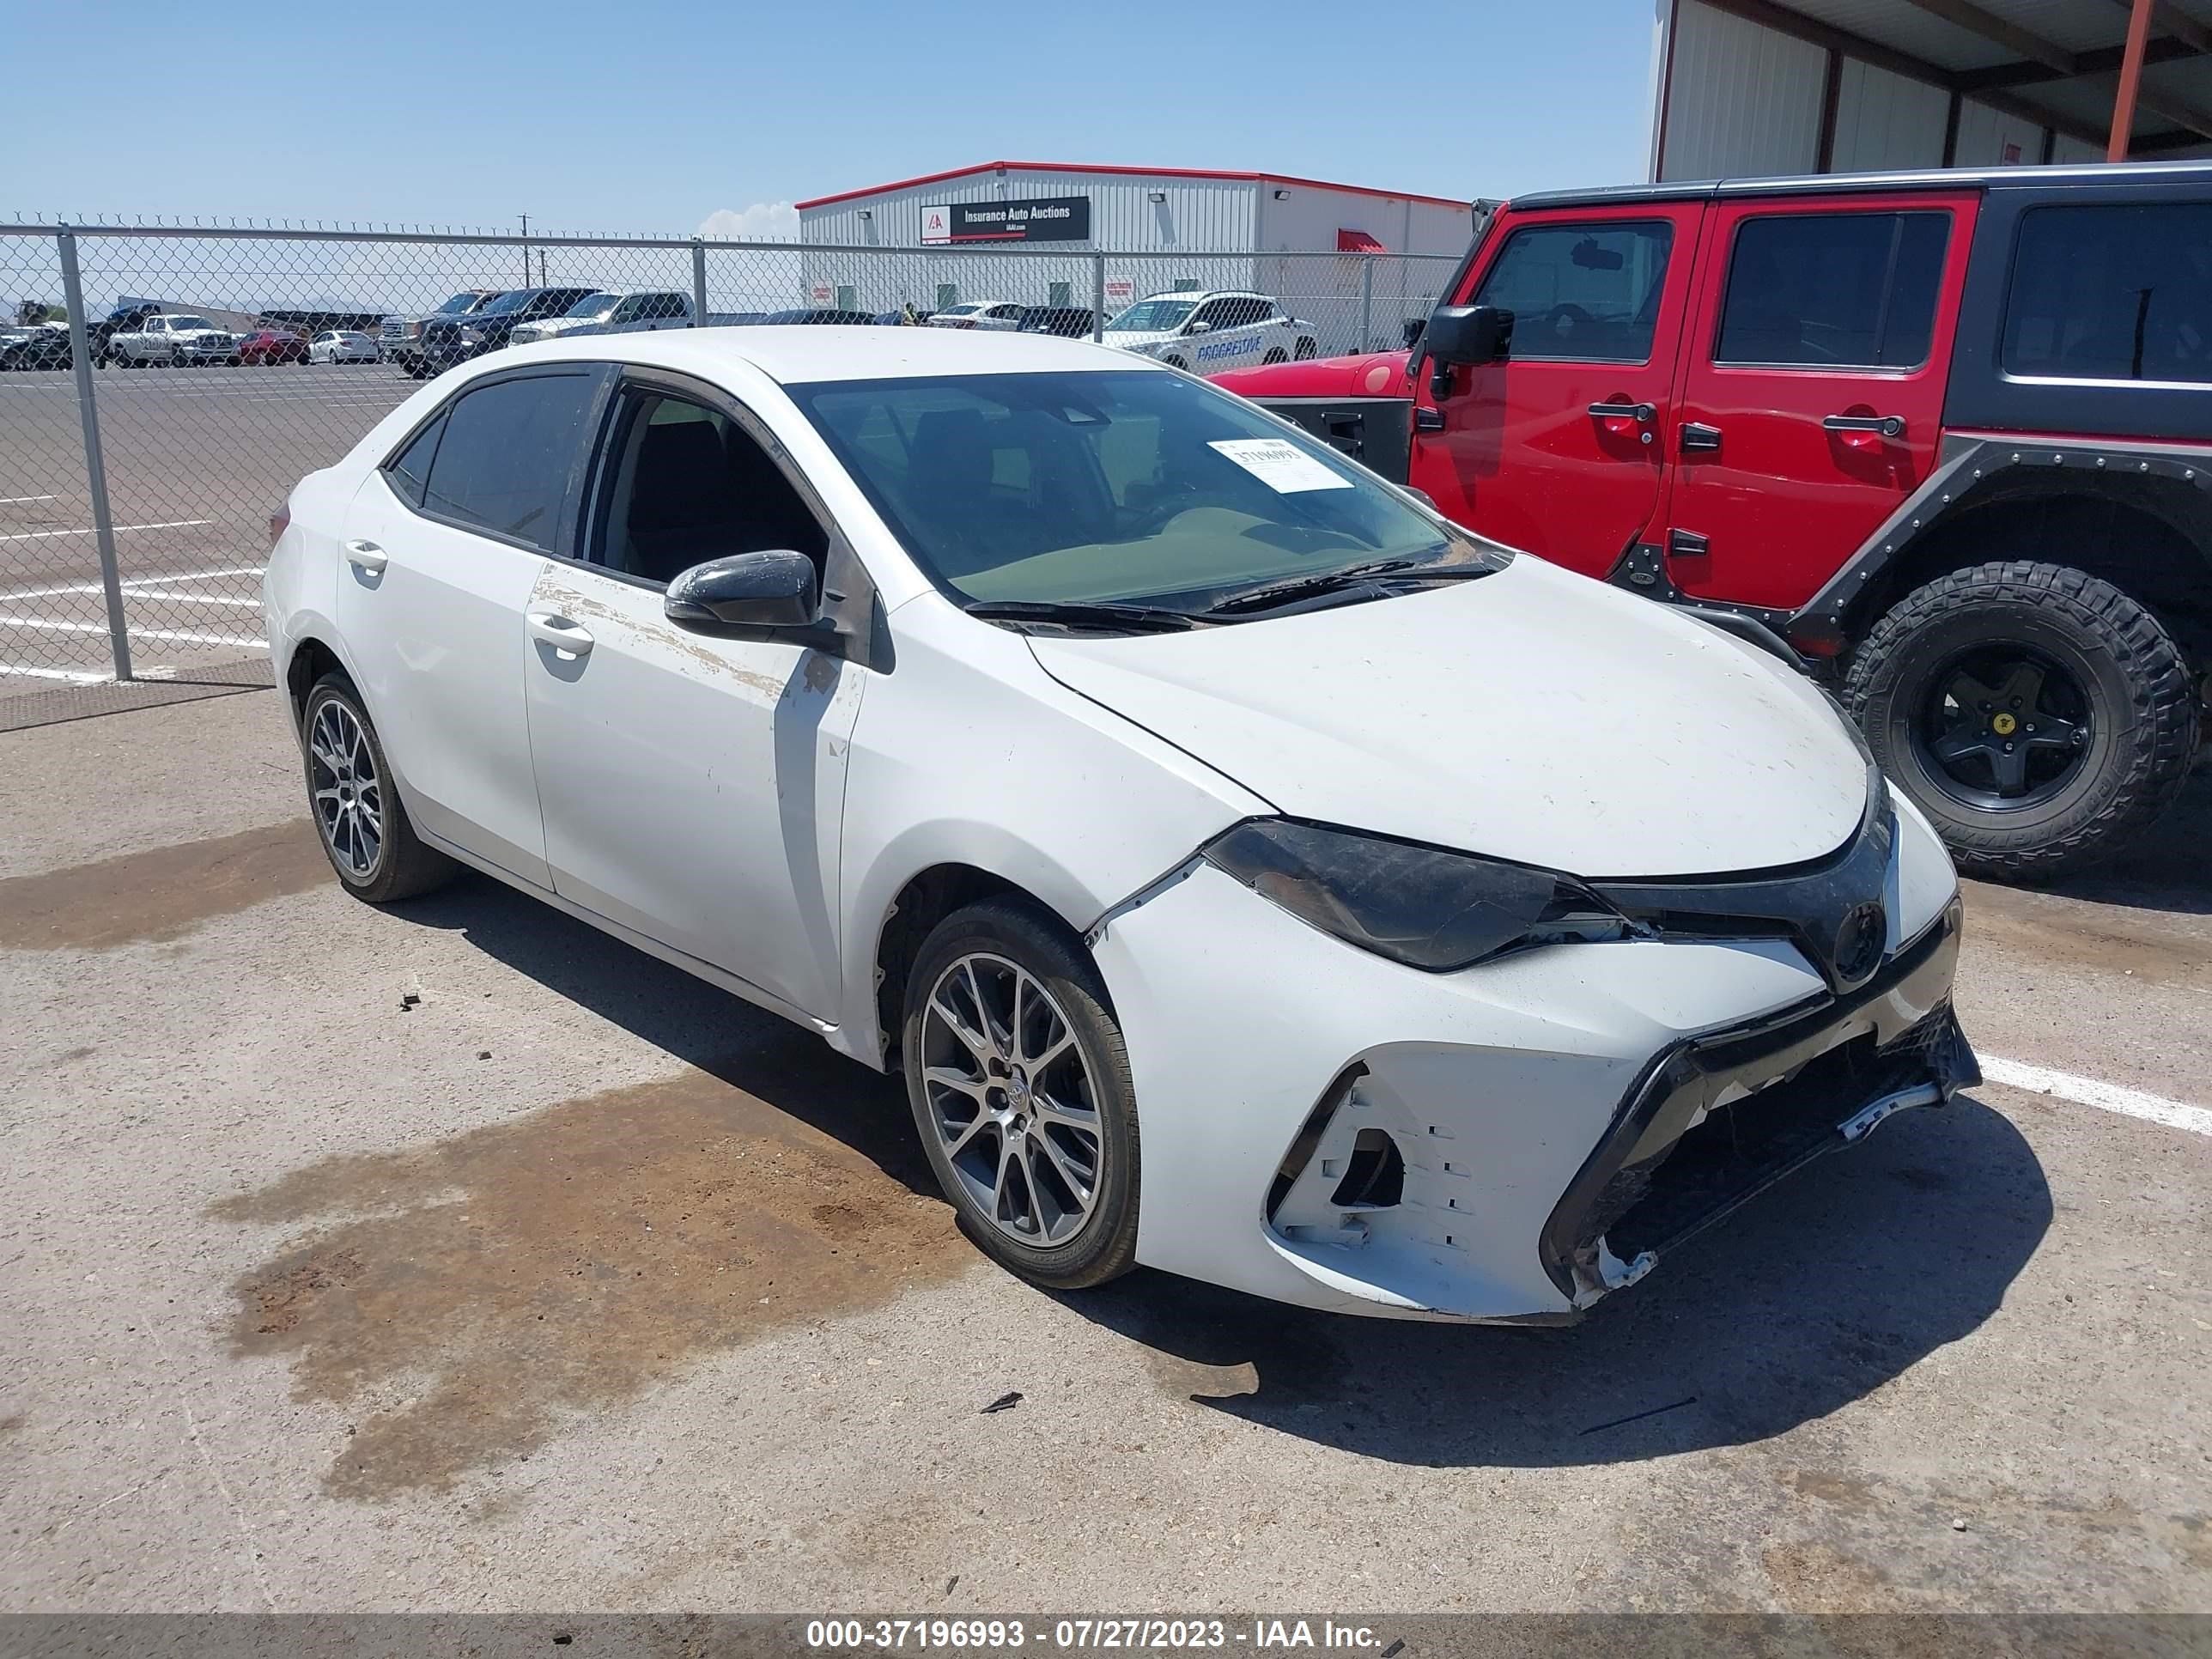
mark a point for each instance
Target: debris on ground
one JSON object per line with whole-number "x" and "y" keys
{"x": 1004, "y": 1402}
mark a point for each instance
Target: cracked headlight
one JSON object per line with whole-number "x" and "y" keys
{"x": 1422, "y": 906}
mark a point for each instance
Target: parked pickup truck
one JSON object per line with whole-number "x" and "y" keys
{"x": 1947, "y": 434}
{"x": 613, "y": 311}
{"x": 400, "y": 339}
{"x": 178, "y": 338}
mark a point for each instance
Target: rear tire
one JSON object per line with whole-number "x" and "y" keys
{"x": 1275, "y": 354}
{"x": 363, "y": 824}
{"x": 1020, "y": 1088}
{"x": 2039, "y": 716}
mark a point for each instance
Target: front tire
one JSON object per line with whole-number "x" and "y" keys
{"x": 1020, "y": 1087}
{"x": 1305, "y": 349}
{"x": 2039, "y": 716}
{"x": 364, "y": 827}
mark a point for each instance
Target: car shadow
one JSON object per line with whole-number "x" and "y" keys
{"x": 766, "y": 1055}
{"x": 2166, "y": 869}
{"x": 1809, "y": 1298}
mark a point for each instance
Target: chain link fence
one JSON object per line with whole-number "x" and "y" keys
{"x": 161, "y": 388}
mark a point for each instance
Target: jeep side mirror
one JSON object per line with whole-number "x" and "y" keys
{"x": 753, "y": 592}
{"x": 1468, "y": 334}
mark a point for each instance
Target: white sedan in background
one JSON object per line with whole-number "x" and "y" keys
{"x": 1210, "y": 331}
{"x": 1194, "y": 820}
{"x": 997, "y": 316}
{"x": 343, "y": 345}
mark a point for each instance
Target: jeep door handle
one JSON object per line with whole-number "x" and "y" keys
{"x": 1642, "y": 414}
{"x": 366, "y": 556}
{"x": 1890, "y": 426}
{"x": 1696, "y": 437}
{"x": 551, "y": 628}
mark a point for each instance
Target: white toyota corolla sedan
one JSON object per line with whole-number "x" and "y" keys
{"x": 1253, "y": 874}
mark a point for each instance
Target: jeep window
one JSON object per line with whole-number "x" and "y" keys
{"x": 2112, "y": 293}
{"x": 1834, "y": 290}
{"x": 1585, "y": 292}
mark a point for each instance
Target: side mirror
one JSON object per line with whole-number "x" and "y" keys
{"x": 767, "y": 592}
{"x": 1414, "y": 327}
{"x": 1468, "y": 334}
{"x": 1199, "y": 328}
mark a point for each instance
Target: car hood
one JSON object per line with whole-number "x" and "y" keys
{"x": 1532, "y": 715}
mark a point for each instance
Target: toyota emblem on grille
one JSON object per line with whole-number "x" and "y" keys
{"x": 1859, "y": 940}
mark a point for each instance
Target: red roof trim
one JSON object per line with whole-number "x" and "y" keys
{"x": 1122, "y": 171}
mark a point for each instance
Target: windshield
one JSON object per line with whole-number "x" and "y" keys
{"x": 460, "y": 302}
{"x": 1111, "y": 485}
{"x": 176, "y": 323}
{"x": 594, "y": 304}
{"x": 1154, "y": 316}
{"x": 507, "y": 302}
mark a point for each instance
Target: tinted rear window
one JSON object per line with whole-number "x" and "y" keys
{"x": 1843, "y": 290}
{"x": 503, "y": 463}
{"x": 2112, "y": 293}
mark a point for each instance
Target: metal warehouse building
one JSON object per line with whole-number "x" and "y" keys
{"x": 1136, "y": 231}
{"x": 1765, "y": 87}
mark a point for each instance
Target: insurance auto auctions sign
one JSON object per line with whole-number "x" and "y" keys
{"x": 1040, "y": 219}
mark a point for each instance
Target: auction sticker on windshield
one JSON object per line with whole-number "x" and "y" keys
{"x": 1283, "y": 468}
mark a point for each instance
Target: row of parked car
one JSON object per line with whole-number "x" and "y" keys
{"x": 141, "y": 338}
{"x": 1206, "y": 331}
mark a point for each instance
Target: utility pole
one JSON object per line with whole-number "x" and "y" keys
{"x": 525, "y": 250}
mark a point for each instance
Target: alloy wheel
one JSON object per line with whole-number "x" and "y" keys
{"x": 2004, "y": 726}
{"x": 348, "y": 796}
{"x": 1011, "y": 1099}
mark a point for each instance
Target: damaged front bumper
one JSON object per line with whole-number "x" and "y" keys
{"x": 1507, "y": 1143}
{"x": 1717, "y": 1118}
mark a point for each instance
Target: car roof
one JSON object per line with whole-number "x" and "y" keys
{"x": 1952, "y": 179}
{"x": 1208, "y": 294}
{"x": 799, "y": 353}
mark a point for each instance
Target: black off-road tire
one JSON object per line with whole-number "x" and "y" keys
{"x": 1024, "y": 933}
{"x": 2136, "y": 681}
{"x": 404, "y": 868}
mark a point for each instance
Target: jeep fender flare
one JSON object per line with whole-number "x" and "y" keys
{"x": 1834, "y": 618}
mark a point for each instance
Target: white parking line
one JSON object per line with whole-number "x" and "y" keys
{"x": 191, "y": 599}
{"x": 2105, "y": 1096}
{"x": 130, "y": 585}
{"x": 13, "y": 500}
{"x": 136, "y": 633}
{"x": 73, "y": 676}
{"x": 45, "y": 535}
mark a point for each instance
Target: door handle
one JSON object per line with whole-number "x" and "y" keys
{"x": 550, "y": 627}
{"x": 368, "y": 557}
{"x": 1642, "y": 414}
{"x": 1890, "y": 426}
{"x": 1697, "y": 436}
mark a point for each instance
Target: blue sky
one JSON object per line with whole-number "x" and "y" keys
{"x": 645, "y": 115}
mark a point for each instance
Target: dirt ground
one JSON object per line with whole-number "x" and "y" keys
{"x": 456, "y": 1258}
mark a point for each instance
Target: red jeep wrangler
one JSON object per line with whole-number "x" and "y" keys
{"x": 1948, "y": 435}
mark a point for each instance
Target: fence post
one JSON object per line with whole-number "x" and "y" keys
{"x": 1098, "y": 297}
{"x": 1366, "y": 303}
{"x": 95, "y": 470}
{"x": 698, "y": 283}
